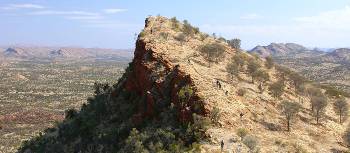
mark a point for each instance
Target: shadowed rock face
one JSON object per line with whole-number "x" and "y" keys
{"x": 159, "y": 80}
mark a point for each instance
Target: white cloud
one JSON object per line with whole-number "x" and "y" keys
{"x": 73, "y": 15}
{"x": 325, "y": 29}
{"x": 22, "y": 6}
{"x": 335, "y": 18}
{"x": 49, "y": 12}
{"x": 113, "y": 11}
{"x": 252, "y": 16}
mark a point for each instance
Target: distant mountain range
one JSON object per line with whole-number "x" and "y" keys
{"x": 63, "y": 53}
{"x": 326, "y": 67}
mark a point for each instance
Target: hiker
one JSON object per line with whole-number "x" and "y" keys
{"x": 241, "y": 115}
{"x": 222, "y": 145}
{"x": 218, "y": 84}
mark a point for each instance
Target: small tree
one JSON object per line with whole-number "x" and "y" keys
{"x": 215, "y": 115}
{"x": 232, "y": 69}
{"x": 301, "y": 92}
{"x": 318, "y": 106}
{"x": 341, "y": 108}
{"x": 282, "y": 72}
{"x": 252, "y": 67}
{"x": 262, "y": 76}
{"x": 290, "y": 110}
{"x": 188, "y": 29}
{"x": 269, "y": 62}
{"x": 174, "y": 23}
{"x": 235, "y": 43}
{"x": 277, "y": 88}
{"x": 212, "y": 51}
{"x": 185, "y": 94}
{"x": 297, "y": 80}
{"x": 251, "y": 142}
{"x": 242, "y": 132}
{"x": 313, "y": 91}
{"x": 239, "y": 59}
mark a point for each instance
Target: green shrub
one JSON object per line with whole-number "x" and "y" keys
{"x": 180, "y": 37}
{"x": 235, "y": 43}
{"x": 215, "y": 115}
{"x": 242, "y": 132}
{"x": 189, "y": 30}
{"x": 251, "y": 142}
{"x": 174, "y": 23}
{"x": 212, "y": 51}
{"x": 277, "y": 88}
{"x": 241, "y": 92}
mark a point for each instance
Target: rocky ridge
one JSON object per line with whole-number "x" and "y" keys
{"x": 164, "y": 64}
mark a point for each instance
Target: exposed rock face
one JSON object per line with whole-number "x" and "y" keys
{"x": 159, "y": 80}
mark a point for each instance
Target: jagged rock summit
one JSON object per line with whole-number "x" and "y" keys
{"x": 171, "y": 80}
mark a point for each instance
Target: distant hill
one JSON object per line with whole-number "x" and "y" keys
{"x": 63, "y": 53}
{"x": 284, "y": 49}
{"x": 331, "y": 67}
{"x": 340, "y": 55}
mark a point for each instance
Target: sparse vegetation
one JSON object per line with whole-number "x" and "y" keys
{"x": 251, "y": 142}
{"x": 52, "y": 87}
{"x": 341, "y": 108}
{"x": 290, "y": 110}
{"x": 188, "y": 29}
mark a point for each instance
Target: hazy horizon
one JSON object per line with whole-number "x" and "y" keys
{"x": 91, "y": 24}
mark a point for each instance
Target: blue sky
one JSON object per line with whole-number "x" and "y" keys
{"x": 113, "y": 23}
